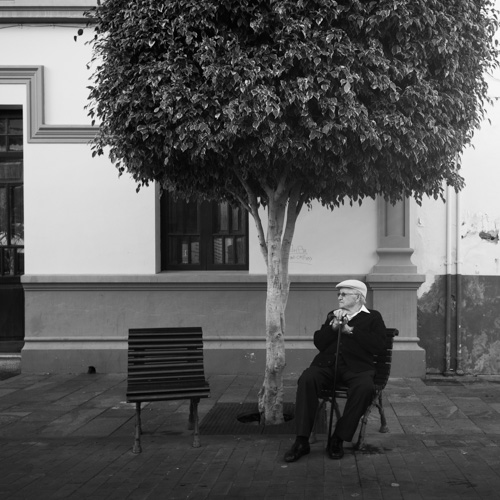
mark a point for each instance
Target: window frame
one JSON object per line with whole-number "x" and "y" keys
{"x": 206, "y": 231}
{"x": 10, "y": 184}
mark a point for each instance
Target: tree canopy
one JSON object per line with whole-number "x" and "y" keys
{"x": 347, "y": 98}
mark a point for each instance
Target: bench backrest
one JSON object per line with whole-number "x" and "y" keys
{"x": 383, "y": 361}
{"x": 165, "y": 364}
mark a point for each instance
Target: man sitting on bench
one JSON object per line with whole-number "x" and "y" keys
{"x": 362, "y": 334}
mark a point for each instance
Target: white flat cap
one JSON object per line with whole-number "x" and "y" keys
{"x": 357, "y": 285}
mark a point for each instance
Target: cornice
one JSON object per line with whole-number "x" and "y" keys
{"x": 208, "y": 281}
{"x": 13, "y": 13}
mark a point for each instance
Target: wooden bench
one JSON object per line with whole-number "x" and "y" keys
{"x": 166, "y": 364}
{"x": 382, "y": 371}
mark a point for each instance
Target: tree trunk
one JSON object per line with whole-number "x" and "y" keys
{"x": 271, "y": 393}
{"x": 276, "y": 252}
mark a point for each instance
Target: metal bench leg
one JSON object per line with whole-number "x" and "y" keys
{"x": 383, "y": 420}
{"x": 193, "y": 421}
{"x": 364, "y": 420}
{"x": 377, "y": 401}
{"x": 138, "y": 429}
{"x": 191, "y": 416}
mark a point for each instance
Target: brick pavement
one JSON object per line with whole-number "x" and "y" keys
{"x": 70, "y": 437}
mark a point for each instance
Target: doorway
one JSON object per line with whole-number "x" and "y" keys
{"x": 11, "y": 229}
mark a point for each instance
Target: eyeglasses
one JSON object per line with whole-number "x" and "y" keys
{"x": 343, "y": 294}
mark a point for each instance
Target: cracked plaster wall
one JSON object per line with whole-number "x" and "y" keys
{"x": 480, "y": 325}
{"x": 473, "y": 243}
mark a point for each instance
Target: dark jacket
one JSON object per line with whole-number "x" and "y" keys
{"x": 356, "y": 349}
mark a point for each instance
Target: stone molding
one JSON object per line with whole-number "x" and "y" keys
{"x": 213, "y": 342}
{"x": 175, "y": 281}
{"x": 38, "y": 130}
{"x": 36, "y": 13}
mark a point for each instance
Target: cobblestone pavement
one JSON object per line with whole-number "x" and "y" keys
{"x": 70, "y": 437}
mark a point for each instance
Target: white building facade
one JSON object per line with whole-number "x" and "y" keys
{"x": 91, "y": 261}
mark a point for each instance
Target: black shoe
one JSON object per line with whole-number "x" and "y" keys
{"x": 336, "y": 448}
{"x": 298, "y": 450}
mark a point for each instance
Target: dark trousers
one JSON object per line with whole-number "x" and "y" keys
{"x": 359, "y": 396}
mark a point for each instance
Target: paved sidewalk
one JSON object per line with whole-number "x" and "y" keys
{"x": 70, "y": 437}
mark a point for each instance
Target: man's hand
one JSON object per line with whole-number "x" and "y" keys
{"x": 341, "y": 315}
{"x": 335, "y": 323}
{"x": 347, "y": 329}
{"x": 339, "y": 318}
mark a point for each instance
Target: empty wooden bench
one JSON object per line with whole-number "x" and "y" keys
{"x": 166, "y": 364}
{"x": 383, "y": 363}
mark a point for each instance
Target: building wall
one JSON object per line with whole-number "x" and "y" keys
{"x": 457, "y": 249}
{"x": 73, "y": 322}
{"x": 80, "y": 219}
{"x": 342, "y": 241}
{"x": 64, "y": 60}
{"x": 92, "y": 246}
{"x": 230, "y": 310}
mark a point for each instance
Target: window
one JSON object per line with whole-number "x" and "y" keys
{"x": 203, "y": 235}
{"x": 11, "y": 193}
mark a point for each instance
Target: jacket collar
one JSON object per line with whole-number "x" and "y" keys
{"x": 363, "y": 309}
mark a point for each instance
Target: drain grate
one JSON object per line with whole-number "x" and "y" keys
{"x": 223, "y": 419}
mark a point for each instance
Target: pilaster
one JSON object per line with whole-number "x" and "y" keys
{"x": 394, "y": 282}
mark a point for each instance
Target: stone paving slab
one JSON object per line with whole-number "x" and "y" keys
{"x": 70, "y": 437}
{"x": 245, "y": 467}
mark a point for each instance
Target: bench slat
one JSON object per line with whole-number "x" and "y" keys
{"x": 173, "y": 374}
{"x": 175, "y": 333}
{"x": 139, "y": 366}
{"x": 166, "y": 355}
{"x": 155, "y": 391}
{"x": 193, "y": 383}
{"x": 161, "y": 377}
{"x": 199, "y": 382}
{"x": 165, "y": 345}
{"x": 165, "y": 377}
{"x": 163, "y": 360}
{"x": 166, "y": 368}
{"x": 166, "y": 397}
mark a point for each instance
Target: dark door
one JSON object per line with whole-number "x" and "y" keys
{"x": 11, "y": 230}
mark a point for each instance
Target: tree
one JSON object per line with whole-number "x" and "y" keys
{"x": 276, "y": 103}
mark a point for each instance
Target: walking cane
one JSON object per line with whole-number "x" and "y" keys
{"x": 335, "y": 382}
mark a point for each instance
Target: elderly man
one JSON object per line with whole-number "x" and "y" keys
{"x": 362, "y": 334}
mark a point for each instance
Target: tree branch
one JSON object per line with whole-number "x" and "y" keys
{"x": 282, "y": 184}
{"x": 253, "y": 208}
{"x": 295, "y": 204}
{"x": 240, "y": 198}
